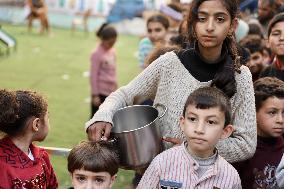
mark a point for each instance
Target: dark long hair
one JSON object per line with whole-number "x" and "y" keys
{"x": 225, "y": 76}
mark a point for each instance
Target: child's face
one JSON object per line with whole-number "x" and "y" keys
{"x": 276, "y": 39}
{"x": 156, "y": 32}
{"x": 82, "y": 179}
{"x": 213, "y": 24}
{"x": 255, "y": 62}
{"x": 43, "y": 128}
{"x": 108, "y": 44}
{"x": 270, "y": 118}
{"x": 203, "y": 128}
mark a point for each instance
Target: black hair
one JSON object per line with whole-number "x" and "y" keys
{"x": 267, "y": 87}
{"x": 277, "y": 18}
{"x": 210, "y": 97}
{"x": 100, "y": 156}
{"x": 159, "y": 18}
{"x": 255, "y": 29}
{"x": 106, "y": 32}
{"x": 254, "y": 43}
{"x": 225, "y": 77}
{"x": 18, "y": 107}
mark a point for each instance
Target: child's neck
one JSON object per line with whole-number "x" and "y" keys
{"x": 210, "y": 54}
{"x": 22, "y": 142}
{"x": 202, "y": 155}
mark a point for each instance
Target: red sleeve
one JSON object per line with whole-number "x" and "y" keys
{"x": 51, "y": 179}
{"x": 5, "y": 180}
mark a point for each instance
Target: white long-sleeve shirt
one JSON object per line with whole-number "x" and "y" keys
{"x": 168, "y": 82}
{"x": 176, "y": 168}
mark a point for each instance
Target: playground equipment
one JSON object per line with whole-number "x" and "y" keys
{"x": 7, "y": 41}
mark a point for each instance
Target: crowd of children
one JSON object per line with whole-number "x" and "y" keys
{"x": 225, "y": 121}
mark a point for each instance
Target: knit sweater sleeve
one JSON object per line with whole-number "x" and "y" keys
{"x": 280, "y": 173}
{"x": 241, "y": 144}
{"x": 144, "y": 85}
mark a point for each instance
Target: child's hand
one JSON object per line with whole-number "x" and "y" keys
{"x": 174, "y": 141}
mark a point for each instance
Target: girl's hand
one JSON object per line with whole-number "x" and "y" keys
{"x": 174, "y": 141}
{"x": 99, "y": 131}
{"x": 96, "y": 101}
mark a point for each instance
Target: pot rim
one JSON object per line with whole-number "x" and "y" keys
{"x": 132, "y": 130}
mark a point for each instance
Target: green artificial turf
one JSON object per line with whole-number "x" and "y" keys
{"x": 55, "y": 66}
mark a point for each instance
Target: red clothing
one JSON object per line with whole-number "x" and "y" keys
{"x": 103, "y": 71}
{"x": 259, "y": 171}
{"x": 17, "y": 170}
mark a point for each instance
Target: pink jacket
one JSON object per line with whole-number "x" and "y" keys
{"x": 103, "y": 71}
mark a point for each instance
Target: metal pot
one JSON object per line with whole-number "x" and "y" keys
{"x": 137, "y": 136}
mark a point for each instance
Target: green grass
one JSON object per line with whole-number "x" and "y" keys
{"x": 40, "y": 63}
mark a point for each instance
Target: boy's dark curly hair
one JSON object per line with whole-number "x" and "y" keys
{"x": 17, "y": 107}
{"x": 267, "y": 87}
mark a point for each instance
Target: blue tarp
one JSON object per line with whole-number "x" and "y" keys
{"x": 125, "y": 9}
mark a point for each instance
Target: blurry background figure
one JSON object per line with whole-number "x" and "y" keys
{"x": 255, "y": 45}
{"x": 267, "y": 9}
{"x": 157, "y": 29}
{"x": 38, "y": 10}
{"x": 83, "y": 21}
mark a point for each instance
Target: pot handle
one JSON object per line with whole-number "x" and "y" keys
{"x": 164, "y": 108}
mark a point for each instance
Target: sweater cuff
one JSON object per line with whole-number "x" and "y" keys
{"x": 98, "y": 117}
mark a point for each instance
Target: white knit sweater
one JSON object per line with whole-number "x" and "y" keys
{"x": 168, "y": 82}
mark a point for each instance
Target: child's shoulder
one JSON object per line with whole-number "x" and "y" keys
{"x": 171, "y": 153}
{"x": 145, "y": 41}
{"x": 225, "y": 167}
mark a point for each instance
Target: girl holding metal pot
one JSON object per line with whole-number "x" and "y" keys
{"x": 213, "y": 61}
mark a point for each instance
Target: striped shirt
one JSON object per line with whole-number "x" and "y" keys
{"x": 176, "y": 168}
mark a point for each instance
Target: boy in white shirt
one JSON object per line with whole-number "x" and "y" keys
{"x": 196, "y": 164}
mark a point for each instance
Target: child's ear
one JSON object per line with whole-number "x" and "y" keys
{"x": 234, "y": 26}
{"x": 227, "y": 131}
{"x": 36, "y": 124}
{"x": 112, "y": 180}
{"x": 181, "y": 122}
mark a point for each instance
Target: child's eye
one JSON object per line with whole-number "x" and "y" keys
{"x": 211, "y": 122}
{"x": 201, "y": 18}
{"x": 272, "y": 113}
{"x": 220, "y": 19}
{"x": 81, "y": 178}
{"x": 275, "y": 33}
{"x": 192, "y": 119}
{"x": 99, "y": 180}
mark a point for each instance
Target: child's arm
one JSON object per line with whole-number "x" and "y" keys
{"x": 280, "y": 173}
{"x": 151, "y": 177}
{"x": 94, "y": 72}
{"x": 145, "y": 84}
{"x": 242, "y": 144}
{"x": 51, "y": 180}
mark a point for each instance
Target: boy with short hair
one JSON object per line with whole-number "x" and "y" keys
{"x": 256, "y": 63}
{"x": 259, "y": 171}
{"x": 196, "y": 164}
{"x": 93, "y": 165}
{"x": 275, "y": 42}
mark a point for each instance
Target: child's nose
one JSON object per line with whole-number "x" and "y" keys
{"x": 210, "y": 25}
{"x": 280, "y": 118}
{"x": 200, "y": 128}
